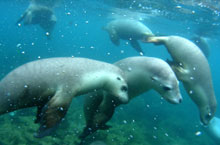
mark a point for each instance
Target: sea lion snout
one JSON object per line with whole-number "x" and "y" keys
{"x": 207, "y": 114}
{"x": 176, "y": 100}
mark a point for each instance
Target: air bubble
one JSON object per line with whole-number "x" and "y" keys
{"x": 18, "y": 45}
{"x": 141, "y": 54}
{"x": 198, "y": 133}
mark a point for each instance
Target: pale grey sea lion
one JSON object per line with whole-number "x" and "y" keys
{"x": 50, "y": 84}
{"x": 192, "y": 68}
{"x": 142, "y": 74}
{"x": 39, "y": 15}
{"x": 128, "y": 29}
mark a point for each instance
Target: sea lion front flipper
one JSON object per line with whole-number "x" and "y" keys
{"x": 136, "y": 46}
{"x": 53, "y": 112}
{"x": 21, "y": 18}
{"x": 114, "y": 37}
{"x": 105, "y": 127}
{"x": 181, "y": 73}
{"x": 39, "y": 114}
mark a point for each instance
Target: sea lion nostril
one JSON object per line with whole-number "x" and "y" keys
{"x": 180, "y": 100}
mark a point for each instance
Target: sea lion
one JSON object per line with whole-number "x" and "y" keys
{"x": 192, "y": 68}
{"x": 50, "y": 84}
{"x": 41, "y": 15}
{"x": 142, "y": 74}
{"x": 128, "y": 29}
{"x": 213, "y": 129}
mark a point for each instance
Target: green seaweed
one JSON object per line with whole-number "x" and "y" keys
{"x": 148, "y": 126}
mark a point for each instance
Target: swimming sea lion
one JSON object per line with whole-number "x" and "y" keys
{"x": 128, "y": 29}
{"x": 50, "y": 84}
{"x": 192, "y": 68}
{"x": 142, "y": 74}
{"x": 41, "y": 15}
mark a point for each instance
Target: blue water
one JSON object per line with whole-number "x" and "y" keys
{"x": 80, "y": 34}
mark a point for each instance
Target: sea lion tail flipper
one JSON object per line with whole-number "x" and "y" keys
{"x": 157, "y": 40}
{"x": 53, "y": 113}
{"x": 136, "y": 46}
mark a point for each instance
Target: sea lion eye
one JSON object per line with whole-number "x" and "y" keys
{"x": 166, "y": 88}
{"x": 124, "y": 88}
{"x": 118, "y": 78}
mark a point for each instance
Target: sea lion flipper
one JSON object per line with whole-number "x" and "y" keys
{"x": 181, "y": 72}
{"x": 39, "y": 114}
{"x": 52, "y": 113}
{"x": 105, "y": 127}
{"x": 21, "y": 18}
{"x": 136, "y": 45}
{"x": 114, "y": 37}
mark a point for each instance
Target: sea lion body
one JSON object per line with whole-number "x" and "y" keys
{"x": 192, "y": 68}
{"x": 50, "y": 84}
{"x": 128, "y": 29}
{"x": 142, "y": 74}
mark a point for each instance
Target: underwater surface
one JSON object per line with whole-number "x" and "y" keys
{"x": 147, "y": 119}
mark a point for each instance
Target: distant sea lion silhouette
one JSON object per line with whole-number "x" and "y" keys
{"x": 142, "y": 74}
{"x": 128, "y": 29}
{"x": 192, "y": 68}
{"x": 41, "y": 15}
{"x": 50, "y": 84}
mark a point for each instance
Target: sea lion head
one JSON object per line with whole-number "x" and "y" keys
{"x": 166, "y": 83}
{"x": 117, "y": 86}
